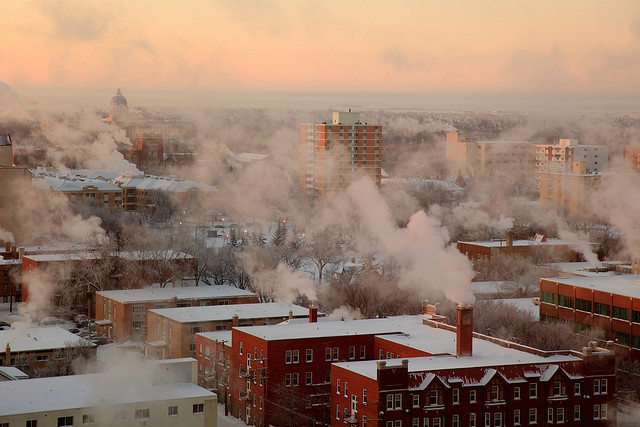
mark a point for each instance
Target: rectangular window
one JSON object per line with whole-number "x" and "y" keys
{"x": 380, "y": 355}
{"x": 198, "y": 408}
{"x": 560, "y": 415}
{"x": 583, "y": 305}
{"x": 364, "y": 395}
{"x": 557, "y": 388}
{"x": 497, "y": 419}
{"x": 195, "y": 330}
{"x": 565, "y": 301}
{"x": 287, "y": 380}
{"x": 173, "y": 411}
{"x": 433, "y": 397}
{"x": 337, "y": 386}
{"x": 88, "y": 419}
{"x": 142, "y": 414}
{"x": 603, "y": 386}
{"x": 603, "y": 309}
{"x": 516, "y": 393}
{"x": 352, "y": 352}
{"x": 425, "y": 422}
{"x": 415, "y": 422}
{"x": 309, "y": 378}
{"x": 346, "y": 389}
{"x": 550, "y": 415}
{"x": 603, "y": 411}
{"x": 533, "y": 416}
{"x": 548, "y": 297}
{"x": 30, "y": 423}
{"x": 533, "y": 391}
{"x": 335, "y": 353}
{"x": 437, "y": 421}
{"x": 138, "y": 309}
{"x": 456, "y": 396}
{"x": 389, "y": 402}
{"x": 516, "y": 417}
{"x": 472, "y": 396}
{"x": 398, "y": 401}
{"x": 576, "y": 412}
{"x": 635, "y": 316}
{"x": 620, "y": 313}
{"x": 287, "y": 357}
{"x": 337, "y": 412}
{"x": 472, "y": 420}
{"x": 622, "y": 338}
{"x": 415, "y": 400}
{"x": 65, "y": 421}
{"x": 296, "y": 378}
{"x": 42, "y": 357}
{"x": 487, "y": 419}
{"x": 363, "y": 352}
{"x": 596, "y": 412}
{"x": 635, "y": 342}
{"x": 455, "y": 421}
{"x": 296, "y": 356}
{"x": 309, "y": 358}
{"x": 576, "y": 389}
{"x": 327, "y": 354}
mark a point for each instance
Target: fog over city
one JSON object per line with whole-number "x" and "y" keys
{"x": 240, "y": 211}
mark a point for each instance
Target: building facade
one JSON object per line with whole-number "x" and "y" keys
{"x": 122, "y": 315}
{"x": 333, "y": 155}
{"x": 559, "y": 158}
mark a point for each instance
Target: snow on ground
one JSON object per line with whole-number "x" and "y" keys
{"x": 227, "y": 421}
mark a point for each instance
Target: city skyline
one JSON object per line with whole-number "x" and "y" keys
{"x": 494, "y": 46}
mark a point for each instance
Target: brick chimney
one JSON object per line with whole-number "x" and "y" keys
{"x": 464, "y": 334}
{"x": 313, "y": 314}
{"x": 7, "y": 246}
{"x": 290, "y": 315}
{"x": 509, "y": 238}
{"x": 234, "y": 321}
{"x": 7, "y": 355}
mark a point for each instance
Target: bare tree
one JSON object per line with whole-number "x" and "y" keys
{"x": 325, "y": 249}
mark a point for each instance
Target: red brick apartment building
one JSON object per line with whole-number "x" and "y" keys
{"x": 333, "y": 155}
{"x": 171, "y": 332}
{"x": 611, "y": 304}
{"x": 339, "y": 372}
{"x": 122, "y": 315}
{"x": 479, "y": 251}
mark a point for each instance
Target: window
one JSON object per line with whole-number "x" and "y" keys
{"x": 533, "y": 391}
{"x": 583, "y": 304}
{"x": 338, "y": 386}
{"x": 142, "y": 414}
{"x": 119, "y": 416}
{"x": 65, "y": 421}
{"x": 487, "y": 419}
{"x": 565, "y": 301}
{"x": 380, "y": 355}
{"x": 352, "y": 352}
{"x": 337, "y": 412}
{"x": 260, "y": 406}
{"x": 560, "y": 415}
{"x": 603, "y": 386}
{"x": 296, "y": 356}
{"x": 596, "y": 412}
{"x": 416, "y": 400}
{"x": 30, "y": 423}
{"x": 516, "y": 393}
{"x": 497, "y": 419}
{"x": 455, "y": 421}
{"x": 198, "y": 408}
{"x": 622, "y": 338}
{"x": 635, "y": 316}
{"x": 364, "y": 395}
{"x": 195, "y": 330}
{"x": 173, "y": 411}
{"x": 433, "y": 397}
{"x": 576, "y": 412}
{"x": 516, "y": 417}
{"x": 456, "y": 396}
{"x": 346, "y": 389}
{"x": 296, "y": 379}
{"x": 287, "y": 380}
{"x": 309, "y": 378}
{"x": 495, "y": 392}
{"x": 309, "y": 355}
{"x": 389, "y": 402}
{"x": 335, "y": 353}
{"x": 42, "y": 357}
{"x": 240, "y": 347}
{"x": 415, "y": 422}
{"x": 472, "y": 396}
{"x": 472, "y": 420}
{"x": 603, "y": 411}
{"x": 327, "y": 354}
{"x": 576, "y": 389}
{"x": 425, "y": 422}
{"x": 88, "y": 419}
{"x": 548, "y": 297}
{"x": 533, "y": 416}
{"x": 184, "y": 304}
{"x": 138, "y": 308}
{"x": 550, "y": 415}
{"x": 363, "y": 351}
{"x": 354, "y": 404}
{"x": 603, "y": 309}
{"x": 287, "y": 357}
{"x": 557, "y": 388}
{"x": 398, "y": 401}
{"x": 620, "y": 313}
{"x": 436, "y": 422}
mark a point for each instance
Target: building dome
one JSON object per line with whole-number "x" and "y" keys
{"x": 118, "y": 108}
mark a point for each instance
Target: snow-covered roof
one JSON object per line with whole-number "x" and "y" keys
{"x": 578, "y": 268}
{"x": 12, "y": 373}
{"x": 86, "y": 391}
{"x": 72, "y": 185}
{"x": 39, "y": 338}
{"x": 524, "y": 304}
{"x": 10, "y": 261}
{"x": 131, "y": 255}
{"x": 128, "y": 296}
{"x": 220, "y": 336}
{"x": 226, "y": 312}
{"x": 423, "y": 183}
{"x": 249, "y": 157}
{"x": 503, "y": 243}
{"x": 150, "y": 183}
{"x": 625, "y": 285}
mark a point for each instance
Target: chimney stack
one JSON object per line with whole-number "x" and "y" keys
{"x": 234, "y": 321}
{"x": 7, "y": 246}
{"x": 7, "y": 355}
{"x": 20, "y": 252}
{"x": 290, "y": 315}
{"x": 313, "y": 314}
{"x": 464, "y": 334}
{"x": 509, "y": 238}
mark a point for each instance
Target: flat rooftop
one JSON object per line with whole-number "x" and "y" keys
{"x": 129, "y": 296}
{"x": 503, "y": 243}
{"x": 578, "y": 268}
{"x": 39, "y": 338}
{"x": 86, "y": 391}
{"x": 133, "y": 255}
{"x": 226, "y": 312}
{"x": 218, "y": 336}
{"x": 627, "y": 285}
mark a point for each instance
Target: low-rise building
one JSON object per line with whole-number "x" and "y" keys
{"x": 122, "y": 315}
{"x": 38, "y": 350}
{"x": 608, "y": 304}
{"x": 171, "y": 332}
{"x": 169, "y": 397}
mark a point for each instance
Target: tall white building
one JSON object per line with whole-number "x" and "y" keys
{"x": 559, "y": 158}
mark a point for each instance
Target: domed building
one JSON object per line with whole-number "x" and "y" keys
{"x": 118, "y": 108}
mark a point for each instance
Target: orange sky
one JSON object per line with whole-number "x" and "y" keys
{"x": 333, "y": 45}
